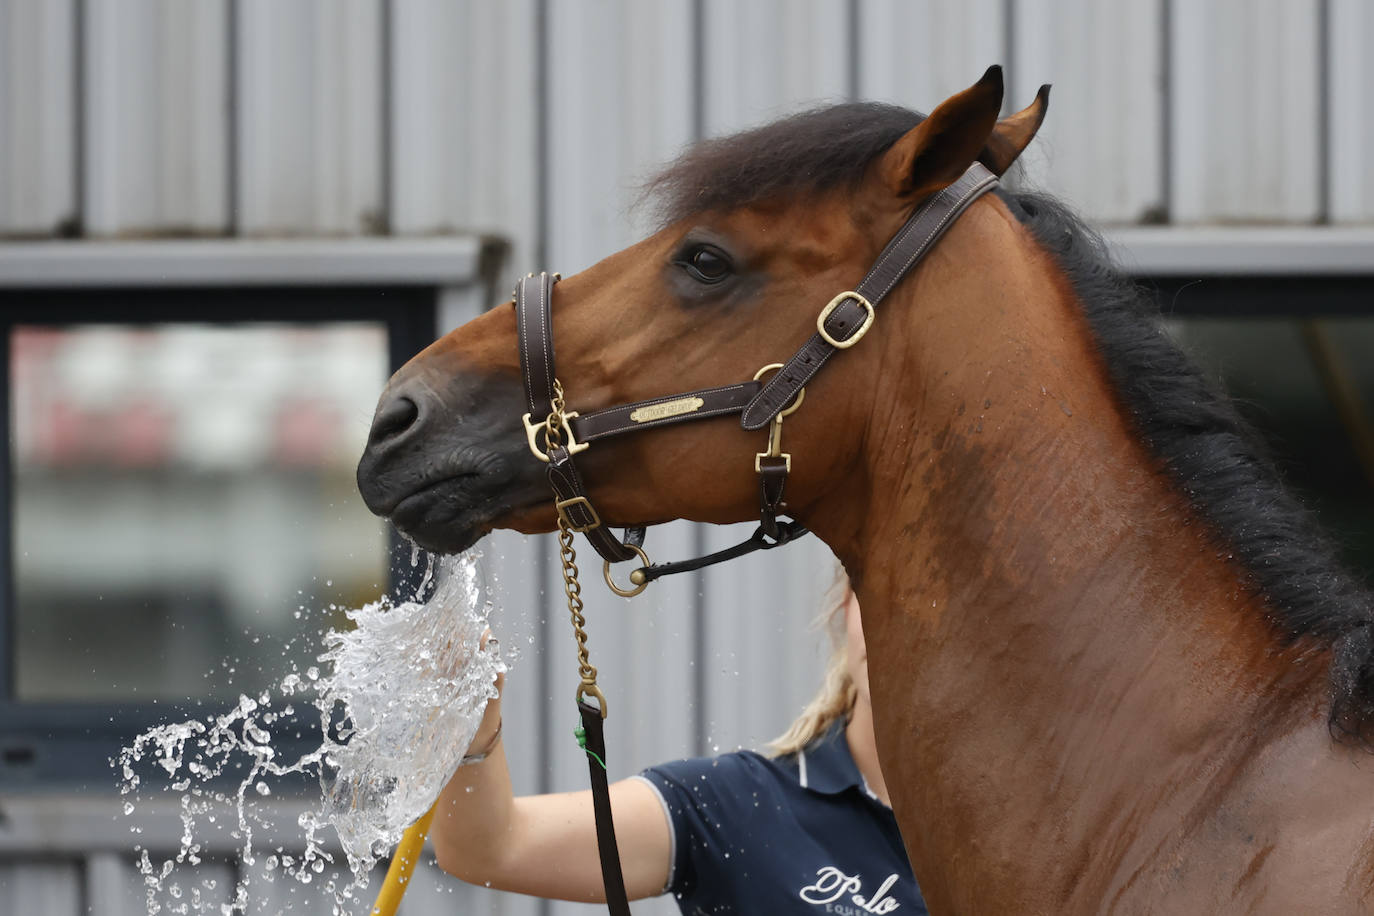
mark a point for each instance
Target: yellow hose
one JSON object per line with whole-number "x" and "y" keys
{"x": 402, "y": 864}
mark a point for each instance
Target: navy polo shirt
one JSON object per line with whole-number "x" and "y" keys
{"x": 798, "y": 834}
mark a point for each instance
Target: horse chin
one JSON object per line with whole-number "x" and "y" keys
{"x": 446, "y": 505}
{"x": 445, "y": 540}
{"x": 446, "y": 517}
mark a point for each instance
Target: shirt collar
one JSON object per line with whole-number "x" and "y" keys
{"x": 826, "y": 766}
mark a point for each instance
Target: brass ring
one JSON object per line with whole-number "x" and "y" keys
{"x": 634, "y": 590}
{"x": 791, "y": 408}
{"x": 584, "y": 689}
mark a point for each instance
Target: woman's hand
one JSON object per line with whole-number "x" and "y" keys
{"x": 544, "y": 845}
{"x": 489, "y": 729}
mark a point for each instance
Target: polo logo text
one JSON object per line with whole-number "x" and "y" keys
{"x": 832, "y": 884}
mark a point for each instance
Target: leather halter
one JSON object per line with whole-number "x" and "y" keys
{"x": 841, "y": 324}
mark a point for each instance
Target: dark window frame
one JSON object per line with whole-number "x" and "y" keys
{"x": 56, "y": 744}
{"x": 1249, "y": 296}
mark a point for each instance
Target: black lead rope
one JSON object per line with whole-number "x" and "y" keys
{"x": 592, "y": 737}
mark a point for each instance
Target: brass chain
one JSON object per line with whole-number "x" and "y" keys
{"x": 572, "y": 589}
{"x": 553, "y": 424}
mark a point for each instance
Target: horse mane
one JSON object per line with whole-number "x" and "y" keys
{"x": 1220, "y": 463}
{"x": 1216, "y": 459}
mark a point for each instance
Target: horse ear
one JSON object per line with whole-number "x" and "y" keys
{"x": 936, "y": 152}
{"x": 1011, "y": 135}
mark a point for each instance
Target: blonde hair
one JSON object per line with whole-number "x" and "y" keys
{"x": 835, "y": 700}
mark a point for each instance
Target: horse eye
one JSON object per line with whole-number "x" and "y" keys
{"x": 707, "y": 264}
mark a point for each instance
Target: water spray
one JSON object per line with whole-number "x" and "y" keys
{"x": 399, "y": 696}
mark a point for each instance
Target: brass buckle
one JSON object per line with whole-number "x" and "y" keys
{"x": 759, "y": 456}
{"x": 532, "y": 430}
{"x": 562, "y": 507}
{"x": 857, "y": 335}
{"x": 638, "y": 586}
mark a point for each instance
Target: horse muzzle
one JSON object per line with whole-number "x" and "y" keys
{"x": 446, "y": 457}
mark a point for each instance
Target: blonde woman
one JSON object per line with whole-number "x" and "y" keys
{"x": 807, "y": 829}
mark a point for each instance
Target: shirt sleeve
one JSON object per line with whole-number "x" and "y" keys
{"x": 702, "y": 797}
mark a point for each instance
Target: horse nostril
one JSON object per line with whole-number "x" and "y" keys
{"x": 394, "y": 418}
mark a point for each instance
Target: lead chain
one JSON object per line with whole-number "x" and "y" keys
{"x": 572, "y": 589}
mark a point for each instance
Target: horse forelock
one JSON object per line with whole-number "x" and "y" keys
{"x": 815, "y": 150}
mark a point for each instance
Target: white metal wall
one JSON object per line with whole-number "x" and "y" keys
{"x": 38, "y": 123}
{"x": 535, "y": 120}
{"x": 259, "y": 117}
{"x": 155, "y": 153}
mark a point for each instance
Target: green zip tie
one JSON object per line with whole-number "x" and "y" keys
{"x": 581, "y": 734}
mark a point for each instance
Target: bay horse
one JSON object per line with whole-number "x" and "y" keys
{"x": 1114, "y": 666}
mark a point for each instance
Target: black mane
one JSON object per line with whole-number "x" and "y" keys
{"x": 1220, "y": 464}
{"x": 1214, "y": 457}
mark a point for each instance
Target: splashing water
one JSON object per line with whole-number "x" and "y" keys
{"x": 399, "y": 700}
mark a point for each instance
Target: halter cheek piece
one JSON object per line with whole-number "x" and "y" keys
{"x": 555, "y": 435}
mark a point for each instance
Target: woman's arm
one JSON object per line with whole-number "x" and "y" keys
{"x": 544, "y": 845}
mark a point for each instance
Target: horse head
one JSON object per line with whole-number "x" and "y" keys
{"x": 731, "y": 283}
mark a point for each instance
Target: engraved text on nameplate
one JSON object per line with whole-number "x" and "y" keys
{"x": 666, "y": 409}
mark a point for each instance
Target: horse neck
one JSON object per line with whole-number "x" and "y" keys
{"x": 1055, "y": 646}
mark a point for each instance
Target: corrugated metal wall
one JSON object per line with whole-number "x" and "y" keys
{"x": 535, "y": 119}
{"x": 529, "y": 117}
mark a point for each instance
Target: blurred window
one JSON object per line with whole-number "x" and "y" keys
{"x": 183, "y": 503}
{"x": 181, "y": 520}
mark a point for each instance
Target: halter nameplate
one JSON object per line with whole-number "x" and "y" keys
{"x": 667, "y": 409}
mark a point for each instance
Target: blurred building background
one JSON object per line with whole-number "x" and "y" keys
{"x": 224, "y": 222}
